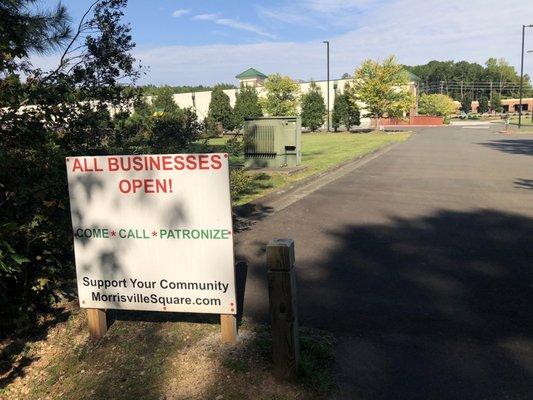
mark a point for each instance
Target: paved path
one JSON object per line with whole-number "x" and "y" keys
{"x": 421, "y": 263}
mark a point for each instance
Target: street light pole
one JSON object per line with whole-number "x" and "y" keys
{"x": 327, "y": 90}
{"x": 522, "y": 75}
{"x": 531, "y": 51}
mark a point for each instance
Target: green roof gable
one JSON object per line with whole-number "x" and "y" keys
{"x": 251, "y": 73}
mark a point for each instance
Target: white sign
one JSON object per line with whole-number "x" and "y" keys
{"x": 153, "y": 232}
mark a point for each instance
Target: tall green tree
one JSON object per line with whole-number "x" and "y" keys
{"x": 383, "y": 87}
{"x": 246, "y": 105}
{"x": 345, "y": 112}
{"x": 496, "y": 102}
{"x": 220, "y": 111}
{"x": 458, "y": 79}
{"x": 483, "y": 106}
{"x": 282, "y": 96}
{"x": 313, "y": 108}
{"x": 26, "y": 29}
{"x": 164, "y": 101}
{"x": 466, "y": 104}
{"x": 95, "y": 62}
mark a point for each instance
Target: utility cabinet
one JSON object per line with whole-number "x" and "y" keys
{"x": 272, "y": 142}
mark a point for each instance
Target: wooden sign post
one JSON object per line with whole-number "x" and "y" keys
{"x": 283, "y": 308}
{"x": 228, "y": 326}
{"x": 97, "y": 323}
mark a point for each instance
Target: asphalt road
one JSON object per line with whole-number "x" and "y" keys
{"x": 420, "y": 262}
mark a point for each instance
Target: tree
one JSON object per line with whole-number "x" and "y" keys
{"x": 483, "y": 106}
{"x": 457, "y": 79}
{"x": 313, "y": 108}
{"x": 281, "y": 95}
{"x": 26, "y": 29}
{"x": 436, "y": 104}
{"x": 496, "y": 102}
{"x": 466, "y": 104}
{"x": 164, "y": 101}
{"x": 95, "y": 63}
{"x": 346, "y": 75}
{"x": 246, "y": 105}
{"x": 345, "y": 112}
{"x": 383, "y": 87}
{"x": 220, "y": 110}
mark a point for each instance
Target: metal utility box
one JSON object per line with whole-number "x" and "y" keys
{"x": 272, "y": 142}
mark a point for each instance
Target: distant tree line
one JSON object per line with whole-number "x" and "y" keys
{"x": 464, "y": 79}
{"x": 152, "y": 90}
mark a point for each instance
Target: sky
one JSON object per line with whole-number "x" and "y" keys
{"x": 187, "y": 42}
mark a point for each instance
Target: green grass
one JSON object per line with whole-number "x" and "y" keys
{"x": 526, "y": 121}
{"x": 321, "y": 151}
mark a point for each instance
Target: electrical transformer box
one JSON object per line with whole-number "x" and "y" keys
{"x": 272, "y": 142}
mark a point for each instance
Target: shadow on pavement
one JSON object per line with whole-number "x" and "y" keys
{"x": 513, "y": 146}
{"x": 435, "y": 307}
{"x": 521, "y": 183}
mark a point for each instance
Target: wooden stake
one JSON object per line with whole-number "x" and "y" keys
{"x": 228, "y": 325}
{"x": 97, "y": 323}
{"x": 283, "y": 308}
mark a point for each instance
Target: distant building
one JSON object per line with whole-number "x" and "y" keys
{"x": 199, "y": 101}
{"x": 511, "y": 105}
{"x": 251, "y": 77}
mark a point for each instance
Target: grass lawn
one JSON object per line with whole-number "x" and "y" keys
{"x": 526, "y": 120}
{"x": 320, "y": 151}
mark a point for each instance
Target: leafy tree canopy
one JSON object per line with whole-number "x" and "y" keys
{"x": 457, "y": 79}
{"x": 383, "y": 87}
{"x": 70, "y": 114}
{"x": 436, "y": 104}
{"x": 282, "y": 96}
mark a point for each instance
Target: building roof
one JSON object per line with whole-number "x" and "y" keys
{"x": 250, "y": 73}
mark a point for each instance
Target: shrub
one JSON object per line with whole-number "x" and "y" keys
{"x": 436, "y": 104}
{"x": 240, "y": 183}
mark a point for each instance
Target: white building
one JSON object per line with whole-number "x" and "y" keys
{"x": 199, "y": 101}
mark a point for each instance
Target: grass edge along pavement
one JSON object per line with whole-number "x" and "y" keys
{"x": 155, "y": 356}
{"x": 320, "y": 152}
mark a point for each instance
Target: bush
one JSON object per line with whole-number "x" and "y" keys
{"x": 436, "y": 104}
{"x": 240, "y": 183}
{"x": 235, "y": 145}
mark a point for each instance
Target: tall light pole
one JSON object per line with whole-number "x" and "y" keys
{"x": 531, "y": 51}
{"x": 327, "y": 90}
{"x": 522, "y": 75}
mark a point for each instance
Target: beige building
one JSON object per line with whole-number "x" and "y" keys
{"x": 199, "y": 101}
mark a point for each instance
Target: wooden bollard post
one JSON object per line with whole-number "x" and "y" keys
{"x": 283, "y": 308}
{"x": 97, "y": 323}
{"x": 228, "y": 327}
